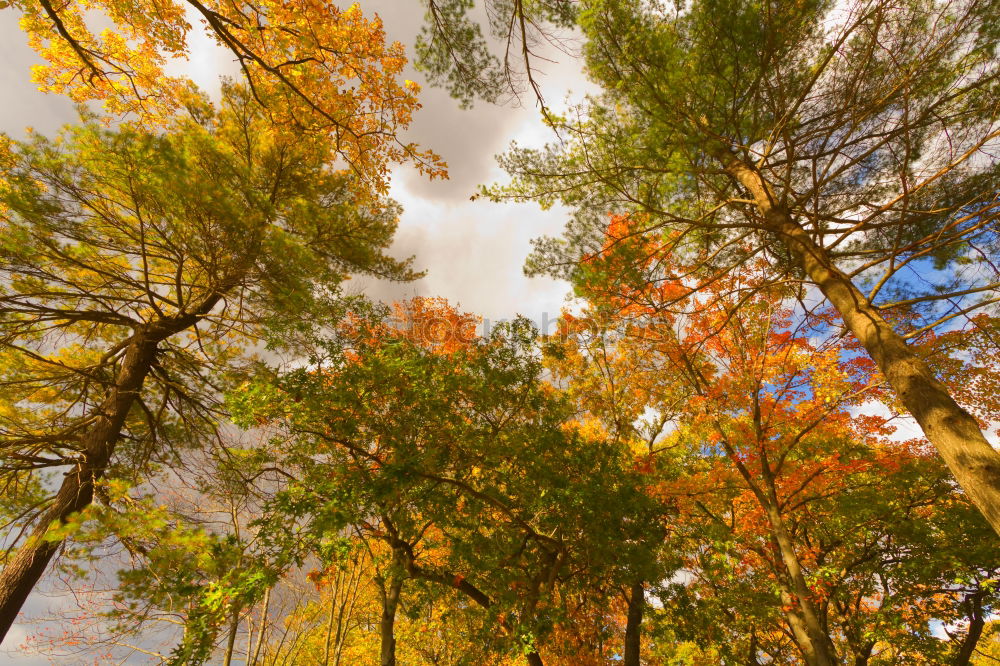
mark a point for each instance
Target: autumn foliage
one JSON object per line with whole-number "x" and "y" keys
{"x": 315, "y": 67}
{"x": 757, "y": 436}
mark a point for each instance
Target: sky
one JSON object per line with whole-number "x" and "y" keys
{"x": 473, "y": 251}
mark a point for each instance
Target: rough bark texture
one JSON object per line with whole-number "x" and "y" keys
{"x": 633, "y": 625}
{"x": 953, "y": 431}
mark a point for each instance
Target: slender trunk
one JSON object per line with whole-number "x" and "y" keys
{"x": 977, "y": 621}
{"x": 234, "y": 626}
{"x": 817, "y": 649}
{"x": 752, "y": 650}
{"x": 331, "y": 618}
{"x": 386, "y": 625}
{"x": 346, "y": 612}
{"x": 633, "y": 624}
{"x": 862, "y": 650}
{"x": 953, "y": 431}
{"x": 260, "y": 630}
{"x": 803, "y": 619}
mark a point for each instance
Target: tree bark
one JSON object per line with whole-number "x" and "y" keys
{"x": 330, "y": 619}
{"x": 386, "y": 625}
{"x": 864, "y": 655}
{"x": 633, "y": 625}
{"x": 816, "y": 647}
{"x": 977, "y": 621}
{"x": 234, "y": 626}
{"x": 953, "y": 431}
{"x": 24, "y": 570}
{"x": 752, "y": 650}
{"x": 800, "y": 613}
{"x": 263, "y": 625}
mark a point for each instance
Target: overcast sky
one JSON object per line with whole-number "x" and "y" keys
{"x": 473, "y": 252}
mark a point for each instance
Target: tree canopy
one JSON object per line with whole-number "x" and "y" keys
{"x": 848, "y": 146}
{"x": 782, "y": 245}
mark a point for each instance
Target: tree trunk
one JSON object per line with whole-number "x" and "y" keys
{"x": 864, "y": 654}
{"x": 952, "y": 430}
{"x": 977, "y": 621}
{"x": 330, "y": 619}
{"x": 752, "y": 650}
{"x": 633, "y": 625}
{"x": 234, "y": 626}
{"x": 817, "y": 649}
{"x": 30, "y": 561}
{"x": 800, "y": 613}
{"x": 263, "y": 625}
{"x": 386, "y": 625}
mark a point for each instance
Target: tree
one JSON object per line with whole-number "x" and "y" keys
{"x": 453, "y": 53}
{"x": 188, "y": 558}
{"x": 436, "y": 442}
{"x": 116, "y": 243}
{"x": 330, "y": 618}
{"x": 801, "y": 524}
{"x": 311, "y": 66}
{"x": 848, "y": 145}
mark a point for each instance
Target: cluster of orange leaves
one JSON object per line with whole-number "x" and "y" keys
{"x": 434, "y": 324}
{"x": 430, "y": 323}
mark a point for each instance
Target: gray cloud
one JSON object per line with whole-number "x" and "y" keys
{"x": 466, "y": 139}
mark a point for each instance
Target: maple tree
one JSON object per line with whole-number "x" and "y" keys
{"x": 804, "y": 525}
{"x": 783, "y": 241}
{"x": 436, "y": 442}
